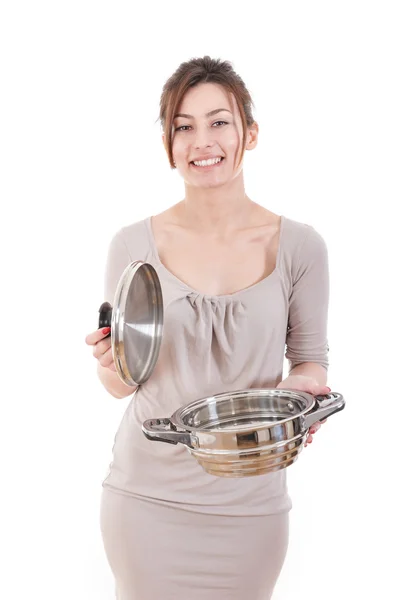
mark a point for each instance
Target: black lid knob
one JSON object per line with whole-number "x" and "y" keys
{"x": 105, "y": 314}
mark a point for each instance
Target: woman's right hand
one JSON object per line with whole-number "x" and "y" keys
{"x": 102, "y": 347}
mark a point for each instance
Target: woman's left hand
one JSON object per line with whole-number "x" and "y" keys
{"x": 302, "y": 383}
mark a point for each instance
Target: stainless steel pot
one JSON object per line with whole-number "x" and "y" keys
{"x": 247, "y": 432}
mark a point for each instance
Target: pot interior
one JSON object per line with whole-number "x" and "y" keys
{"x": 243, "y": 410}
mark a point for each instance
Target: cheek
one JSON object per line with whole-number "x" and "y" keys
{"x": 231, "y": 147}
{"x": 233, "y": 143}
{"x": 230, "y": 140}
{"x": 180, "y": 147}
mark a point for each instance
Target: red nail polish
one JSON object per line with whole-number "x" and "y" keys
{"x": 106, "y": 330}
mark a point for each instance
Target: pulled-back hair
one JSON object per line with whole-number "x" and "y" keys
{"x": 190, "y": 74}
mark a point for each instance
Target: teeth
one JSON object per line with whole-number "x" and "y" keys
{"x": 206, "y": 163}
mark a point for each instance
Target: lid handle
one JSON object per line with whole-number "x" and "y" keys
{"x": 105, "y": 315}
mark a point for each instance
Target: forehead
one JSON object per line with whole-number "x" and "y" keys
{"x": 205, "y": 97}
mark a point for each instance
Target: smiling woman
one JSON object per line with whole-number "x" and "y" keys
{"x": 207, "y": 150}
{"x": 187, "y": 77}
{"x": 240, "y": 284}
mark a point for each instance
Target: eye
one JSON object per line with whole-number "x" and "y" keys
{"x": 186, "y": 127}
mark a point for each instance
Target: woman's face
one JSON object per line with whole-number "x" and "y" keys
{"x": 207, "y": 126}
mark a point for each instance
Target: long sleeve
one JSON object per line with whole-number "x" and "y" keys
{"x": 306, "y": 339}
{"x": 118, "y": 258}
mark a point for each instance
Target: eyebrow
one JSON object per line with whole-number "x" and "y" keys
{"x": 209, "y": 114}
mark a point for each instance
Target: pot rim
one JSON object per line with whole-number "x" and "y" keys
{"x": 176, "y": 418}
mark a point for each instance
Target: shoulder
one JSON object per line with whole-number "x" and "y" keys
{"x": 302, "y": 246}
{"x": 129, "y": 244}
{"x": 132, "y": 240}
{"x": 300, "y": 233}
{"x": 301, "y": 238}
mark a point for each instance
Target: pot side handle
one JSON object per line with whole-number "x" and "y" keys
{"x": 160, "y": 430}
{"x": 325, "y": 407}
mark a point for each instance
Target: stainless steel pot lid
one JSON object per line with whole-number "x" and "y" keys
{"x": 136, "y": 320}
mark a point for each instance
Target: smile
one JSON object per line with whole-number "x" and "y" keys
{"x": 207, "y": 165}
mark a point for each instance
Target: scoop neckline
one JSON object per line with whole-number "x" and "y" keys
{"x": 274, "y": 273}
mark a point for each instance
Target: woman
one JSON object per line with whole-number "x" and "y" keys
{"x": 239, "y": 283}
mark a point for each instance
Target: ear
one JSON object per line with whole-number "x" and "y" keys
{"x": 252, "y": 136}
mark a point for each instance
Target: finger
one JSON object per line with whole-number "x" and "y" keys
{"x": 314, "y": 428}
{"x": 320, "y": 390}
{"x": 101, "y": 347}
{"x": 106, "y": 359}
{"x": 96, "y": 336}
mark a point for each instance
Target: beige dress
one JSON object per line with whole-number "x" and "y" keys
{"x": 171, "y": 530}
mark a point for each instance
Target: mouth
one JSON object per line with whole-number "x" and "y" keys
{"x": 207, "y": 167}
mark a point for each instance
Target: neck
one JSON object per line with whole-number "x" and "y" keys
{"x": 216, "y": 210}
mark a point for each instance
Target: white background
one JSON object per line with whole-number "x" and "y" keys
{"x": 81, "y": 156}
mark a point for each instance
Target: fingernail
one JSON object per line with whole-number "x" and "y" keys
{"x": 328, "y": 388}
{"x": 106, "y": 330}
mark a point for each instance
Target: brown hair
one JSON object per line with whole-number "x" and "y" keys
{"x": 191, "y": 73}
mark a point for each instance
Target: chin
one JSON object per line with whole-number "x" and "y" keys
{"x": 206, "y": 185}
{"x": 207, "y": 182}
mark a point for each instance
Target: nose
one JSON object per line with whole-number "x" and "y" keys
{"x": 202, "y": 138}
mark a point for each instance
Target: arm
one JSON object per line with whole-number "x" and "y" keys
{"x": 118, "y": 258}
{"x": 310, "y": 370}
{"x": 113, "y": 383}
{"x": 306, "y": 340}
